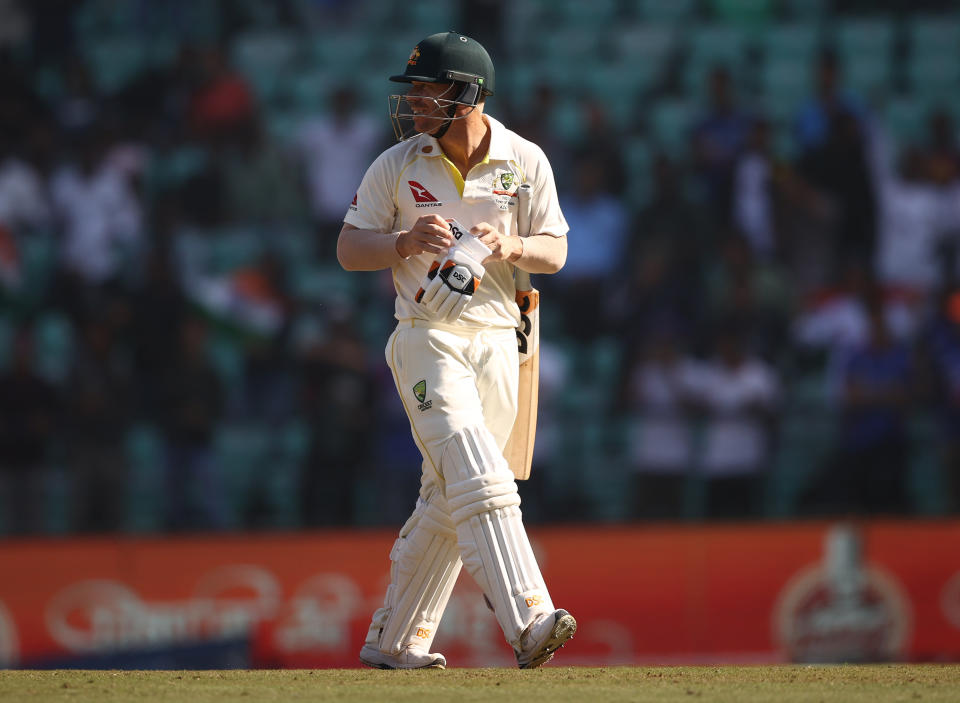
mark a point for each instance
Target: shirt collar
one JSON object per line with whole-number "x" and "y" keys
{"x": 429, "y": 147}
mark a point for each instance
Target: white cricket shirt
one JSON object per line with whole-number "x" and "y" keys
{"x": 414, "y": 178}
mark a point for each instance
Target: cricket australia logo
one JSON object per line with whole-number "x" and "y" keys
{"x": 505, "y": 189}
{"x": 420, "y": 392}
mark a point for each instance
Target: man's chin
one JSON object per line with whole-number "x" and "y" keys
{"x": 427, "y": 125}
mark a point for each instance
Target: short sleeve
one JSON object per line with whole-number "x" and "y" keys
{"x": 545, "y": 216}
{"x": 374, "y": 208}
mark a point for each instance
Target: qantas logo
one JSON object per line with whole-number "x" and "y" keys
{"x": 421, "y": 195}
{"x": 353, "y": 204}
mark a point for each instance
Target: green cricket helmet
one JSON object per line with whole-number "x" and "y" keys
{"x": 447, "y": 57}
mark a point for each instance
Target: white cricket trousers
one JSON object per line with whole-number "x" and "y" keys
{"x": 459, "y": 388}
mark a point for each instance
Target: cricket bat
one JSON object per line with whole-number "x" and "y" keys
{"x": 519, "y": 448}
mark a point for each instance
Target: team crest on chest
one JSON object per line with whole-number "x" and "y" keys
{"x": 504, "y": 189}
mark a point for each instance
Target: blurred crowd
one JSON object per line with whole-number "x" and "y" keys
{"x": 766, "y": 332}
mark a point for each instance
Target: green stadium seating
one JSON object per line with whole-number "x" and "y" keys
{"x": 585, "y": 16}
{"x": 796, "y": 41}
{"x": 937, "y": 34}
{"x": 646, "y": 43}
{"x": 717, "y": 43}
{"x": 115, "y": 61}
{"x": 934, "y": 75}
{"x": 785, "y": 83}
{"x": 863, "y": 37}
{"x": 7, "y": 332}
{"x": 753, "y": 14}
{"x": 869, "y": 76}
{"x": 666, "y": 11}
{"x": 241, "y": 450}
{"x": 670, "y": 123}
{"x": 808, "y": 10}
{"x": 906, "y": 118}
{"x": 232, "y": 248}
{"x": 53, "y": 346}
{"x": 145, "y": 484}
{"x": 638, "y": 158}
{"x": 927, "y": 475}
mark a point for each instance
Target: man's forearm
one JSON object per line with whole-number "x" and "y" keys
{"x": 542, "y": 253}
{"x": 364, "y": 250}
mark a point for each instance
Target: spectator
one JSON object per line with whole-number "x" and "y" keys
{"x": 24, "y": 196}
{"x": 602, "y": 141}
{"x": 659, "y": 392}
{"x": 754, "y": 293}
{"x": 99, "y": 407}
{"x": 335, "y": 151}
{"x": 940, "y": 371}
{"x": 336, "y": 396}
{"x": 718, "y": 138}
{"x": 191, "y": 404}
{"x": 599, "y": 226}
{"x": 101, "y": 215}
{"x": 942, "y": 154}
{"x": 836, "y": 155}
{"x": 29, "y": 408}
{"x": 223, "y": 104}
{"x": 738, "y": 394}
{"x": 259, "y": 181}
{"x": 753, "y": 198}
{"x": 837, "y": 319}
{"x": 869, "y": 472}
{"x": 158, "y": 307}
{"x": 815, "y": 116}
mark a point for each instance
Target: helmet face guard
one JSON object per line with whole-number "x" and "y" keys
{"x": 464, "y": 89}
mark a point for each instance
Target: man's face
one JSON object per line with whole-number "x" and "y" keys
{"x": 428, "y": 113}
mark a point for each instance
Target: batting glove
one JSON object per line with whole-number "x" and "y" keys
{"x": 453, "y": 279}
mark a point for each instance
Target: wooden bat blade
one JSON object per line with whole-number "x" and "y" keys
{"x": 519, "y": 449}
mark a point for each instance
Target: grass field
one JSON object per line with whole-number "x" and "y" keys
{"x": 743, "y": 684}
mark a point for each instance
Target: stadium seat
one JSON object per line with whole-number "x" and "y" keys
{"x": 796, "y": 41}
{"x": 115, "y": 61}
{"x": 264, "y": 57}
{"x": 906, "y": 118}
{"x": 331, "y": 54}
{"x": 638, "y": 158}
{"x": 646, "y": 43}
{"x": 241, "y": 449}
{"x": 934, "y": 75}
{"x": 869, "y": 76}
{"x": 808, "y": 10}
{"x": 232, "y": 248}
{"x": 863, "y": 37}
{"x": 744, "y": 13}
{"x": 934, "y": 34}
{"x": 717, "y": 43}
{"x": 586, "y": 16}
{"x": 422, "y": 17}
{"x": 670, "y": 123}
{"x": 53, "y": 346}
{"x": 145, "y": 487}
{"x": 7, "y": 332}
{"x": 666, "y": 11}
{"x": 785, "y": 83}
{"x": 927, "y": 477}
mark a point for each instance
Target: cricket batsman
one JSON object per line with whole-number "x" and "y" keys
{"x": 440, "y": 209}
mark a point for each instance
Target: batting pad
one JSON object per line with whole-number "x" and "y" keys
{"x": 425, "y": 563}
{"x": 484, "y": 506}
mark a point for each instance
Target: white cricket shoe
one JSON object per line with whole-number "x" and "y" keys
{"x": 543, "y": 637}
{"x": 408, "y": 658}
